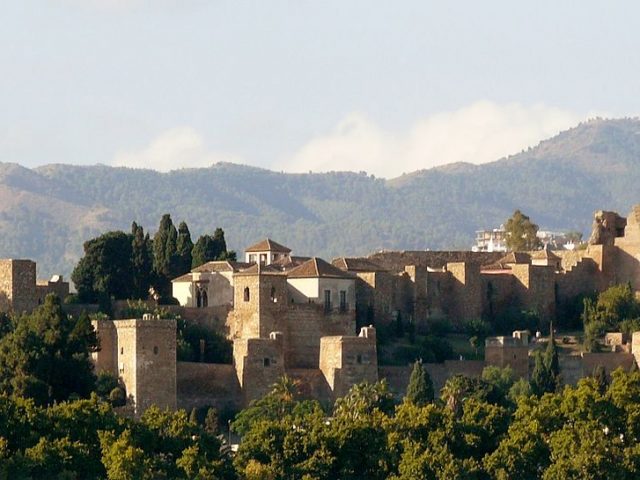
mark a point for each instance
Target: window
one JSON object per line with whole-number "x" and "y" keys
{"x": 155, "y": 350}
{"x": 343, "y": 301}
{"x": 266, "y": 362}
{"x": 205, "y": 299}
{"x": 198, "y": 299}
{"x": 252, "y": 258}
{"x": 327, "y": 300}
{"x": 263, "y": 258}
{"x": 274, "y": 299}
{"x": 359, "y": 359}
{"x": 247, "y": 295}
{"x": 121, "y": 350}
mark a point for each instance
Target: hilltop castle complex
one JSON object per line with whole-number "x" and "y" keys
{"x": 316, "y": 321}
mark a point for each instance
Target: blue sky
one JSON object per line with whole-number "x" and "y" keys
{"x": 386, "y": 87}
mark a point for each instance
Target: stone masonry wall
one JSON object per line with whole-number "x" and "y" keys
{"x": 208, "y": 385}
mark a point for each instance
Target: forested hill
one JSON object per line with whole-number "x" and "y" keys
{"x": 46, "y": 213}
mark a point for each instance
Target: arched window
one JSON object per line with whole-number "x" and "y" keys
{"x": 205, "y": 299}
{"x": 198, "y": 298}
{"x": 247, "y": 295}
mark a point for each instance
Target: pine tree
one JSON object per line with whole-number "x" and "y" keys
{"x": 211, "y": 422}
{"x": 420, "y": 388}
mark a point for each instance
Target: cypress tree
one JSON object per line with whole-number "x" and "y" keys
{"x": 420, "y": 388}
{"x": 141, "y": 262}
{"x": 542, "y": 378}
{"x": 184, "y": 247}
{"x": 164, "y": 251}
{"x": 600, "y": 375}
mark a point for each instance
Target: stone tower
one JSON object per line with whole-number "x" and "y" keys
{"x": 142, "y": 353}
{"x": 260, "y": 302}
{"x": 17, "y": 285}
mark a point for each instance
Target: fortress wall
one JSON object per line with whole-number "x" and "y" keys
{"x": 306, "y": 324}
{"x": 23, "y": 285}
{"x": 609, "y": 360}
{"x": 497, "y": 292}
{"x": 397, "y": 261}
{"x": 207, "y": 384}
{"x": 259, "y": 364}
{"x": 6, "y": 285}
{"x": 398, "y": 377}
{"x": 312, "y": 384}
{"x": 465, "y": 292}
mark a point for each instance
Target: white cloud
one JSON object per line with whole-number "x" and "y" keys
{"x": 181, "y": 147}
{"x": 480, "y": 133}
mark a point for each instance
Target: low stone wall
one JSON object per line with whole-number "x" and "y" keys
{"x": 208, "y": 384}
{"x": 398, "y": 377}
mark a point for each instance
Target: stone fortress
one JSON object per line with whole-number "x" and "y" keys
{"x": 315, "y": 321}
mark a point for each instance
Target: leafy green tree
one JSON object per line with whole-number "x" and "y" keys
{"x": 105, "y": 270}
{"x": 420, "y": 388}
{"x": 47, "y": 356}
{"x": 521, "y": 233}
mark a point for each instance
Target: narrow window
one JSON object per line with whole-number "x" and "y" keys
{"x": 327, "y": 300}
{"x": 205, "y": 299}
{"x": 343, "y": 301}
{"x": 273, "y": 294}
{"x": 263, "y": 258}
{"x": 266, "y": 362}
{"x": 198, "y": 299}
{"x": 247, "y": 296}
{"x": 155, "y": 350}
{"x": 121, "y": 350}
{"x": 359, "y": 359}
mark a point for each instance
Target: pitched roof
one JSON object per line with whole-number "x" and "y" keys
{"x": 544, "y": 254}
{"x": 268, "y": 245}
{"x": 510, "y": 258}
{"x": 356, "y": 265}
{"x": 221, "y": 266}
{"x": 187, "y": 277}
{"x": 316, "y": 268}
{"x": 258, "y": 269}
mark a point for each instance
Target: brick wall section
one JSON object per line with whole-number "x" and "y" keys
{"x": 208, "y": 385}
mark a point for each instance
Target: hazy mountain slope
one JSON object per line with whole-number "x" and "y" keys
{"x": 46, "y": 213}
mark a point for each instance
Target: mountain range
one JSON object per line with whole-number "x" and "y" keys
{"x": 46, "y": 213}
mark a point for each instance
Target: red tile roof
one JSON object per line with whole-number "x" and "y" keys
{"x": 268, "y": 245}
{"x": 316, "y": 268}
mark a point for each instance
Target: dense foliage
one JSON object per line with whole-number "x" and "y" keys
{"x": 123, "y": 266}
{"x": 45, "y": 355}
{"x": 615, "y": 310}
{"x": 489, "y": 428}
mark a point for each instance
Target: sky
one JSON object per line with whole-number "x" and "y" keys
{"x": 299, "y": 85}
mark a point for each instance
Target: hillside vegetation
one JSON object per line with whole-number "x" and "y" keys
{"x": 46, "y": 213}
